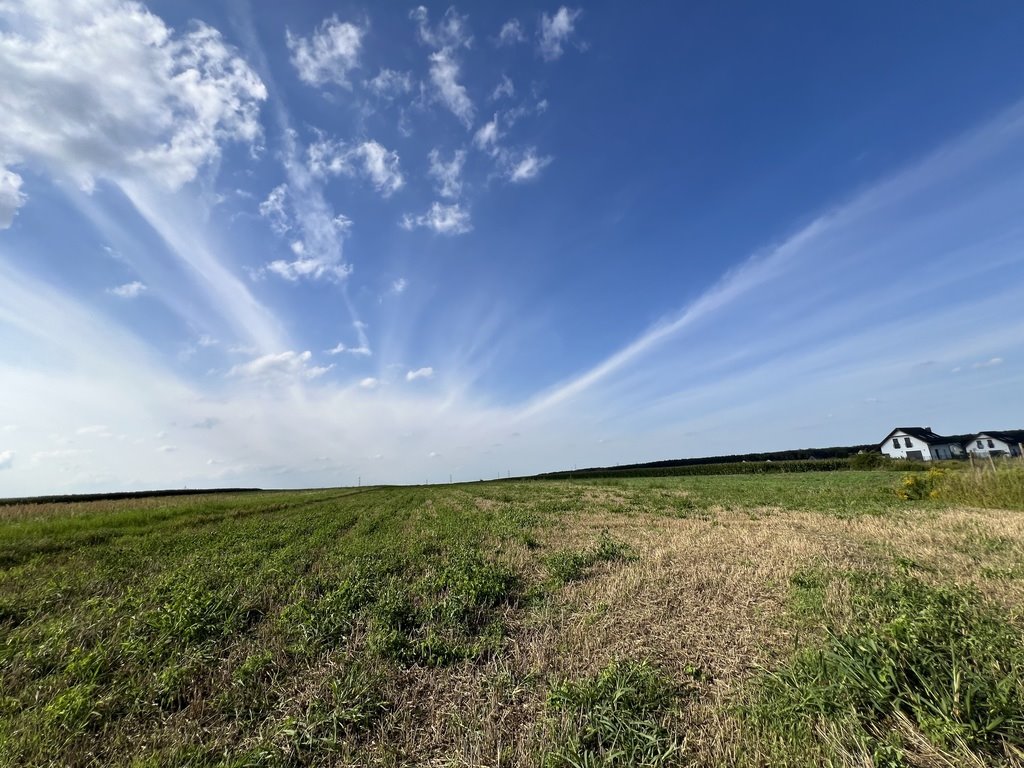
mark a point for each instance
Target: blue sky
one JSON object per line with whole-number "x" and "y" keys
{"x": 299, "y": 244}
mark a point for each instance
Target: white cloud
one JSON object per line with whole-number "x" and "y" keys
{"x": 106, "y": 89}
{"x": 505, "y": 89}
{"x": 341, "y": 349}
{"x": 100, "y": 430}
{"x": 128, "y": 290}
{"x": 304, "y": 208}
{"x": 990, "y": 363}
{"x": 398, "y": 286}
{"x": 420, "y": 373}
{"x": 370, "y": 159}
{"x": 282, "y": 366}
{"x": 369, "y": 383}
{"x": 273, "y": 209}
{"x": 527, "y": 167}
{"x": 390, "y": 83}
{"x": 167, "y": 448}
{"x": 444, "y": 74}
{"x": 555, "y": 30}
{"x": 329, "y": 55}
{"x": 6, "y": 459}
{"x": 442, "y": 219}
{"x": 311, "y": 268}
{"x": 450, "y": 32}
{"x": 11, "y": 196}
{"x": 511, "y": 33}
{"x": 448, "y": 175}
{"x": 486, "y": 137}
{"x": 445, "y": 38}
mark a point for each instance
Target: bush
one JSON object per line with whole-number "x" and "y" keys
{"x": 869, "y": 460}
{"x": 920, "y": 485}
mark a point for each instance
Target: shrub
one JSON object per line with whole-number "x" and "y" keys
{"x": 920, "y": 485}
{"x": 869, "y": 460}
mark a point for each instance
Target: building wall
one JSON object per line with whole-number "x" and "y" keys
{"x": 901, "y": 453}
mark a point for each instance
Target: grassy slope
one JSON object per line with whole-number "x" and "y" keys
{"x": 645, "y": 621}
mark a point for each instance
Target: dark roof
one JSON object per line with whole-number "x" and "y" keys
{"x": 1010, "y": 436}
{"x": 924, "y": 434}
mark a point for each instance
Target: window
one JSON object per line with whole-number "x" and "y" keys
{"x": 981, "y": 444}
{"x": 895, "y": 442}
{"x": 991, "y": 444}
{"x": 906, "y": 441}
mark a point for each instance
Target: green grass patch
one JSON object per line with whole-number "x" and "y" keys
{"x": 938, "y": 658}
{"x": 619, "y": 717}
{"x": 570, "y": 565}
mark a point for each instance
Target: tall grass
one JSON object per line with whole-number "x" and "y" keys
{"x": 913, "y": 663}
{"x": 998, "y": 485}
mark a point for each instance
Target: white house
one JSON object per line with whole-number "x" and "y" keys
{"x": 920, "y": 443}
{"x": 992, "y": 443}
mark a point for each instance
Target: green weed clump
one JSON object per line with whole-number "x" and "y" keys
{"x": 450, "y": 614}
{"x": 573, "y": 564}
{"x": 619, "y": 717}
{"x": 936, "y": 658}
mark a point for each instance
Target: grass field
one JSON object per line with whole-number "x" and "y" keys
{"x": 749, "y": 620}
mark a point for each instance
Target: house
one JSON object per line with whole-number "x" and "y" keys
{"x": 992, "y": 443}
{"x": 920, "y": 443}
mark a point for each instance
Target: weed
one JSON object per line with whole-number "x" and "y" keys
{"x": 572, "y": 565}
{"x": 616, "y": 718}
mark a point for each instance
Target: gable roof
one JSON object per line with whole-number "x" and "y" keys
{"x": 923, "y": 434}
{"x": 1009, "y": 436}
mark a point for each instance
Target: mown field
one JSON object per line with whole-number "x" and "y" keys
{"x": 846, "y": 619}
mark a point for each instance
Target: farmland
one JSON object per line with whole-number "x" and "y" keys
{"x": 751, "y": 620}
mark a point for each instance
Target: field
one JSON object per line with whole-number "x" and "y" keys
{"x": 848, "y": 618}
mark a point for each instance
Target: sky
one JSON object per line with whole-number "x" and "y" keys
{"x": 324, "y": 243}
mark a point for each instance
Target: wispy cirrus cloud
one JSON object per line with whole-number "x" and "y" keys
{"x": 527, "y": 166}
{"x": 11, "y": 196}
{"x": 876, "y": 222}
